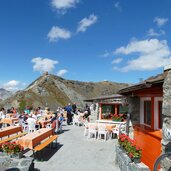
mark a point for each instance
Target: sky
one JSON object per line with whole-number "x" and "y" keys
{"x": 122, "y": 41}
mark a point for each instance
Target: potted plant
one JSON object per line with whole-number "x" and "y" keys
{"x": 129, "y": 145}
{"x": 123, "y": 139}
{"x": 135, "y": 153}
{"x": 118, "y": 117}
{"x": 13, "y": 149}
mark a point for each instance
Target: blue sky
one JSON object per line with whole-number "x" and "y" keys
{"x": 85, "y": 40}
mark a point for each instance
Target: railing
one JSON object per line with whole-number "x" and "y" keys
{"x": 160, "y": 159}
{"x": 122, "y": 128}
{"x": 127, "y": 123}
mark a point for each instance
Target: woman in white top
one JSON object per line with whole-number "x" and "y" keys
{"x": 2, "y": 113}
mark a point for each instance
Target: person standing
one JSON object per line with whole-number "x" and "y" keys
{"x": 69, "y": 114}
{"x": 87, "y": 111}
{"x": 74, "y": 108}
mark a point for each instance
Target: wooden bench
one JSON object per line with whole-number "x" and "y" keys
{"x": 13, "y": 137}
{"x": 44, "y": 144}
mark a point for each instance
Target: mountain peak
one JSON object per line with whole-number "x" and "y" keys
{"x": 53, "y": 91}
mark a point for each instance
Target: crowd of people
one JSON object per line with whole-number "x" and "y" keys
{"x": 72, "y": 109}
{"x": 33, "y": 115}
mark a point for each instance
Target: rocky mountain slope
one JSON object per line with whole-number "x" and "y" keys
{"x": 4, "y": 94}
{"x": 53, "y": 91}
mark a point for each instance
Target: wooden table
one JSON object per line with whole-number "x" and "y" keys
{"x": 9, "y": 120}
{"x": 43, "y": 122}
{"x": 47, "y": 116}
{"x": 9, "y": 115}
{"x": 34, "y": 138}
{"x": 9, "y": 130}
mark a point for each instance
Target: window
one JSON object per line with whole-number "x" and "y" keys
{"x": 160, "y": 114}
{"x": 107, "y": 110}
{"x": 147, "y": 112}
{"x": 123, "y": 109}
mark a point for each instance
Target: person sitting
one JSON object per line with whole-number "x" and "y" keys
{"x": 13, "y": 110}
{"x": 31, "y": 123}
{"x": 2, "y": 113}
{"x": 47, "y": 110}
{"x": 53, "y": 121}
{"x": 60, "y": 119}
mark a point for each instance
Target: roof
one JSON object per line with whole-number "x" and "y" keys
{"x": 114, "y": 96}
{"x": 145, "y": 84}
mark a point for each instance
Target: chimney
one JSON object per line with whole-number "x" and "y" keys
{"x": 46, "y": 73}
{"x": 167, "y": 68}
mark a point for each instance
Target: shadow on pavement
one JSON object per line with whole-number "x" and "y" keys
{"x": 63, "y": 130}
{"x": 47, "y": 153}
{"x": 35, "y": 169}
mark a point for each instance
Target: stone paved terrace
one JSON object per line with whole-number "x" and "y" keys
{"x": 77, "y": 153}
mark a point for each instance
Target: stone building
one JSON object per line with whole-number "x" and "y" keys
{"x": 150, "y": 108}
{"x": 105, "y": 107}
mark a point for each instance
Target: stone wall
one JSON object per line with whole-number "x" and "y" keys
{"x": 94, "y": 108}
{"x": 23, "y": 164}
{"x": 125, "y": 163}
{"x": 134, "y": 109}
{"x": 166, "y": 111}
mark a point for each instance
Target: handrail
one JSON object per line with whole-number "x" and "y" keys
{"x": 128, "y": 119}
{"x": 120, "y": 126}
{"x": 159, "y": 159}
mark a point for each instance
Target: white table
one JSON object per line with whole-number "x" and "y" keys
{"x": 109, "y": 122}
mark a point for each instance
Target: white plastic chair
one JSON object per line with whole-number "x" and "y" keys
{"x": 31, "y": 128}
{"x": 120, "y": 128}
{"x": 24, "y": 125}
{"x": 77, "y": 120}
{"x": 8, "y": 116}
{"x": 102, "y": 131}
{"x": 86, "y": 129}
{"x": 49, "y": 125}
{"x": 31, "y": 125}
{"x": 92, "y": 130}
{"x": 58, "y": 128}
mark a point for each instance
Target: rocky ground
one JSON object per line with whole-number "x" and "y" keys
{"x": 77, "y": 153}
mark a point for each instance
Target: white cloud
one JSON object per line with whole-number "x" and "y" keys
{"x": 105, "y": 54}
{"x": 153, "y": 54}
{"x": 57, "y": 33}
{"x": 61, "y": 72}
{"x": 152, "y": 33}
{"x": 86, "y": 22}
{"x": 117, "y": 6}
{"x": 117, "y": 61}
{"x": 64, "y": 4}
{"x": 160, "y": 21}
{"x": 12, "y": 85}
{"x": 43, "y": 64}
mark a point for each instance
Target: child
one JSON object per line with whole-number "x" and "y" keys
{"x": 60, "y": 119}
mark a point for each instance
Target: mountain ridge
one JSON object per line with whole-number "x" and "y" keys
{"x": 4, "y": 94}
{"x": 53, "y": 91}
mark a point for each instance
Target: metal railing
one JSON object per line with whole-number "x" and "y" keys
{"x": 127, "y": 123}
{"x": 122, "y": 128}
{"x": 160, "y": 159}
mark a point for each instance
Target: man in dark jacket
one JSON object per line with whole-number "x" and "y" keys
{"x": 69, "y": 114}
